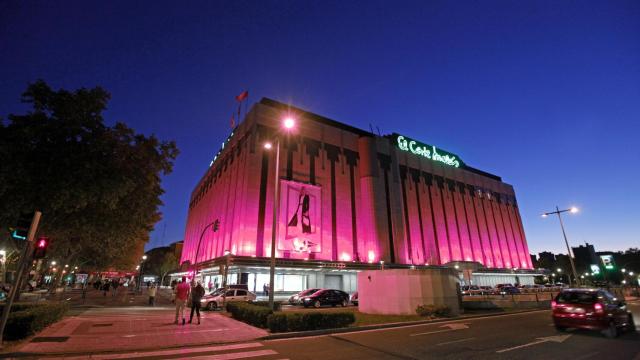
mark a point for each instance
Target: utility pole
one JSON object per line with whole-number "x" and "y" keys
{"x": 572, "y": 210}
{"x": 24, "y": 260}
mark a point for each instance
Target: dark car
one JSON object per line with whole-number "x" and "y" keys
{"x": 326, "y": 297}
{"x": 592, "y": 309}
{"x": 297, "y": 298}
{"x": 508, "y": 290}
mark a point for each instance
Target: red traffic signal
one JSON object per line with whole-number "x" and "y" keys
{"x": 41, "y": 248}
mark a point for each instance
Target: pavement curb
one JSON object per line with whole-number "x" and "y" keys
{"x": 300, "y": 334}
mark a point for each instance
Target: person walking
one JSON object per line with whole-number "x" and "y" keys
{"x": 210, "y": 285}
{"x": 151, "y": 291}
{"x": 196, "y": 295}
{"x": 114, "y": 285}
{"x": 182, "y": 294}
{"x": 105, "y": 287}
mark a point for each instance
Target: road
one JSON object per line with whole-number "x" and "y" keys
{"x": 509, "y": 336}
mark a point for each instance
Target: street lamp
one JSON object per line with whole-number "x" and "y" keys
{"x": 572, "y": 210}
{"x": 144, "y": 258}
{"x": 288, "y": 123}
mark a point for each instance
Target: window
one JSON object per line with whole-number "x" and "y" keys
{"x": 230, "y": 293}
{"x": 572, "y": 297}
{"x": 241, "y": 293}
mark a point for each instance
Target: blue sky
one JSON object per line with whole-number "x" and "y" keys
{"x": 545, "y": 94}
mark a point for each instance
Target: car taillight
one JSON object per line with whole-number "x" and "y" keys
{"x": 553, "y": 304}
{"x": 598, "y": 308}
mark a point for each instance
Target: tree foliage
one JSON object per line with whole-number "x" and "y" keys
{"x": 97, "y": 186}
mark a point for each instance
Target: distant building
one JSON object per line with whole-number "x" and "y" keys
{"x": 585, "y": 256}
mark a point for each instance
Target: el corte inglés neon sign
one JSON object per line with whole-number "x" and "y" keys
{"x": 428, "y": 151}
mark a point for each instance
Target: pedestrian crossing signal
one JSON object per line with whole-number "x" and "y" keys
{"x": 21, "y": 230}
{"x": 41, "y": 248}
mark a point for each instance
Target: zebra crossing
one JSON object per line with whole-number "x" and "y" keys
{"x": 252, "y": 350}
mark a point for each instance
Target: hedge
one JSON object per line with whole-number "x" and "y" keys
{"x": 251, "y": 314}
{"x": 276, "y": 305}
{"x": 433, "y": 310}
{"x": 29, "y": 319}
{"x": 302, "y": 321}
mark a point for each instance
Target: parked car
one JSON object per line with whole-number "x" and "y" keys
{"x": 326, "y": 297}
{"x": 354, "y": 298}
{"x": 296, "y": 299}
{"x": 215, "y": 299}
{"x": 509, "y": 290}
{"x": 486, "y": 290}
{"x": 470, "y": 290}
{"x": 591, "y": 309}
{"x": 500, "y": 286}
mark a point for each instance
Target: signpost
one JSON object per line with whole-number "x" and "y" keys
{"x": 24, "y": 260}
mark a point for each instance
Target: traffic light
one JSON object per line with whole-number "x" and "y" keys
{"x": 216, "y": 225}
{"x": 40, "y": 250}
{"x": 21, "y": 230}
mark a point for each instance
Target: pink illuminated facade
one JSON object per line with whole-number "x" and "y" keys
{"x": 350, "y": 196}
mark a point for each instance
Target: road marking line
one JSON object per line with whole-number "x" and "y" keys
{"x": 455, "y": 341}
{"x": 240, "y": 355}
{"x": 155, "y": 333}
{"x": 557, "y": 339}
{"x": 431, "y": 332}
{"x": 177, "y": 351}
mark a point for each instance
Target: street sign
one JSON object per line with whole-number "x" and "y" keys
{"x": 595, "y": 269}
{"x": 607, "y": 260}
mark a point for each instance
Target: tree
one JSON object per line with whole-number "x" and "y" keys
{"x": 170, "y": 262}
{"x": 97, "y": 186}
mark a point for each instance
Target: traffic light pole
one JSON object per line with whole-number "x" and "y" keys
{"x": 24, "y": 259}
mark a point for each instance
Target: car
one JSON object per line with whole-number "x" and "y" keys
{"x": 509, "y": 290}
{"x": 326, "y": 297}
{"x": 593, "y": 309}
{"x": 354, "y": 298}
{"x": 215, "y": 299}
{"x": 486, "y": 290}
{"x": 296, "y": 299}
{"x": 500, "y": 286}
{"x": 470, "y": 290}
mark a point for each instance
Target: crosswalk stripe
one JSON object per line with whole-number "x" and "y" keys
{"x": 177, "y": 351}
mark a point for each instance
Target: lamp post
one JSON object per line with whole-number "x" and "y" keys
{"x": 288, "y": 124}
{"x": 215, "y": 225}
{"x": 572, "y": 210}
{"x": 144, "y": 258}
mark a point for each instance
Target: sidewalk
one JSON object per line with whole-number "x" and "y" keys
{"x": 135, "y": 328}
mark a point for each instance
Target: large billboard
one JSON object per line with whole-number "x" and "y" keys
{"x": 300, "y": 220}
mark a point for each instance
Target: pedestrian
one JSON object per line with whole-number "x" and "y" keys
{"x": 182, "y": 294}
{"x": 114, "y": 285}
{"x": 105, "y": 288}
{"x": 196, "y": 295}
{"x": 151, "y": 291}
{"x": 210, "y": 285}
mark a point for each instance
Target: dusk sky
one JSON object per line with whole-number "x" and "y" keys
{"x": 545, "y": 94}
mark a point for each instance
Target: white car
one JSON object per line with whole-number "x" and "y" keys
{"x": 215, "y": 299}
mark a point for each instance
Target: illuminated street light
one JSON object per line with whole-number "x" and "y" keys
{"x": 144, "y": 257}
{"x": 288, "y": 123}
{"x": 53, "y": 263}
{"x": 572, "y": 210}
{"x": 66, "y": 265}
{"x": 630, "y": 273}
{"x": 137, "y": 267}
{"x": 623, "y": 270}
{"x": 559, "y": 270}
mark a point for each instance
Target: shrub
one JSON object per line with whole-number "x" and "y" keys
{"x": 249, "y": 313}
{"x": 276, "y": 305}
{"x": 28, "y": 320}
{"x": 433, "y": 310}
{"x": 302, "y": 321}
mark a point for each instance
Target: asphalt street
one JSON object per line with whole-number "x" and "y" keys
{"x": 511, "y": 336}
